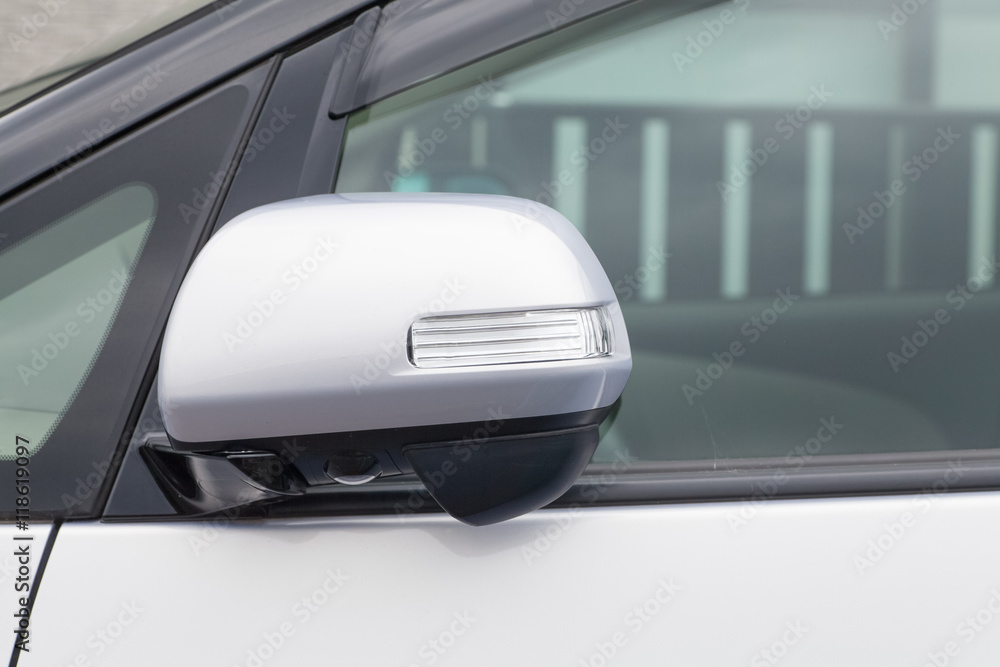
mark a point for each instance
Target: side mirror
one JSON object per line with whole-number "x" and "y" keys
{"x": 473, "y": 340}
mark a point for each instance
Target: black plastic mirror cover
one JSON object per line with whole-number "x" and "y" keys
{"x": 481, "y": 484}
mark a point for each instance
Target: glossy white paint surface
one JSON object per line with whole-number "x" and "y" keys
{"x": 294, "y": 317}
{"x": 550, "y": 588}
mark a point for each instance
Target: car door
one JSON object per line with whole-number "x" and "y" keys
{"x": 796, "y": 205}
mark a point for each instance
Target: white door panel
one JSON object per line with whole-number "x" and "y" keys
{"x": 429, "y": 590}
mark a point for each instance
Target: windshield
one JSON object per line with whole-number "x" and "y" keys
{"x": 45, "y": 41}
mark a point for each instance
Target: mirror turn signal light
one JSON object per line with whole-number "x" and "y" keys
{"x": 511, "y": 338}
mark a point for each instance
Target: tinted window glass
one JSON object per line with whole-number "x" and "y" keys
{"x": 55, "y": 311}
{"x": 89, "y": 261}
{"x": 795, "y": 202}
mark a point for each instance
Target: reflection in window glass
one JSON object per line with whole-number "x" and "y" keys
{"x": 795, "y": 203}
{"x": 60, "y": 290}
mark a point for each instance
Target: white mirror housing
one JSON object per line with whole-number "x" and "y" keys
{"x": 385, "y": 328}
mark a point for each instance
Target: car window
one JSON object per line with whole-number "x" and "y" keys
{"x": 795, "y": 203}
{"x": 55, "y": 311}
{"x": 90, "y": 258}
